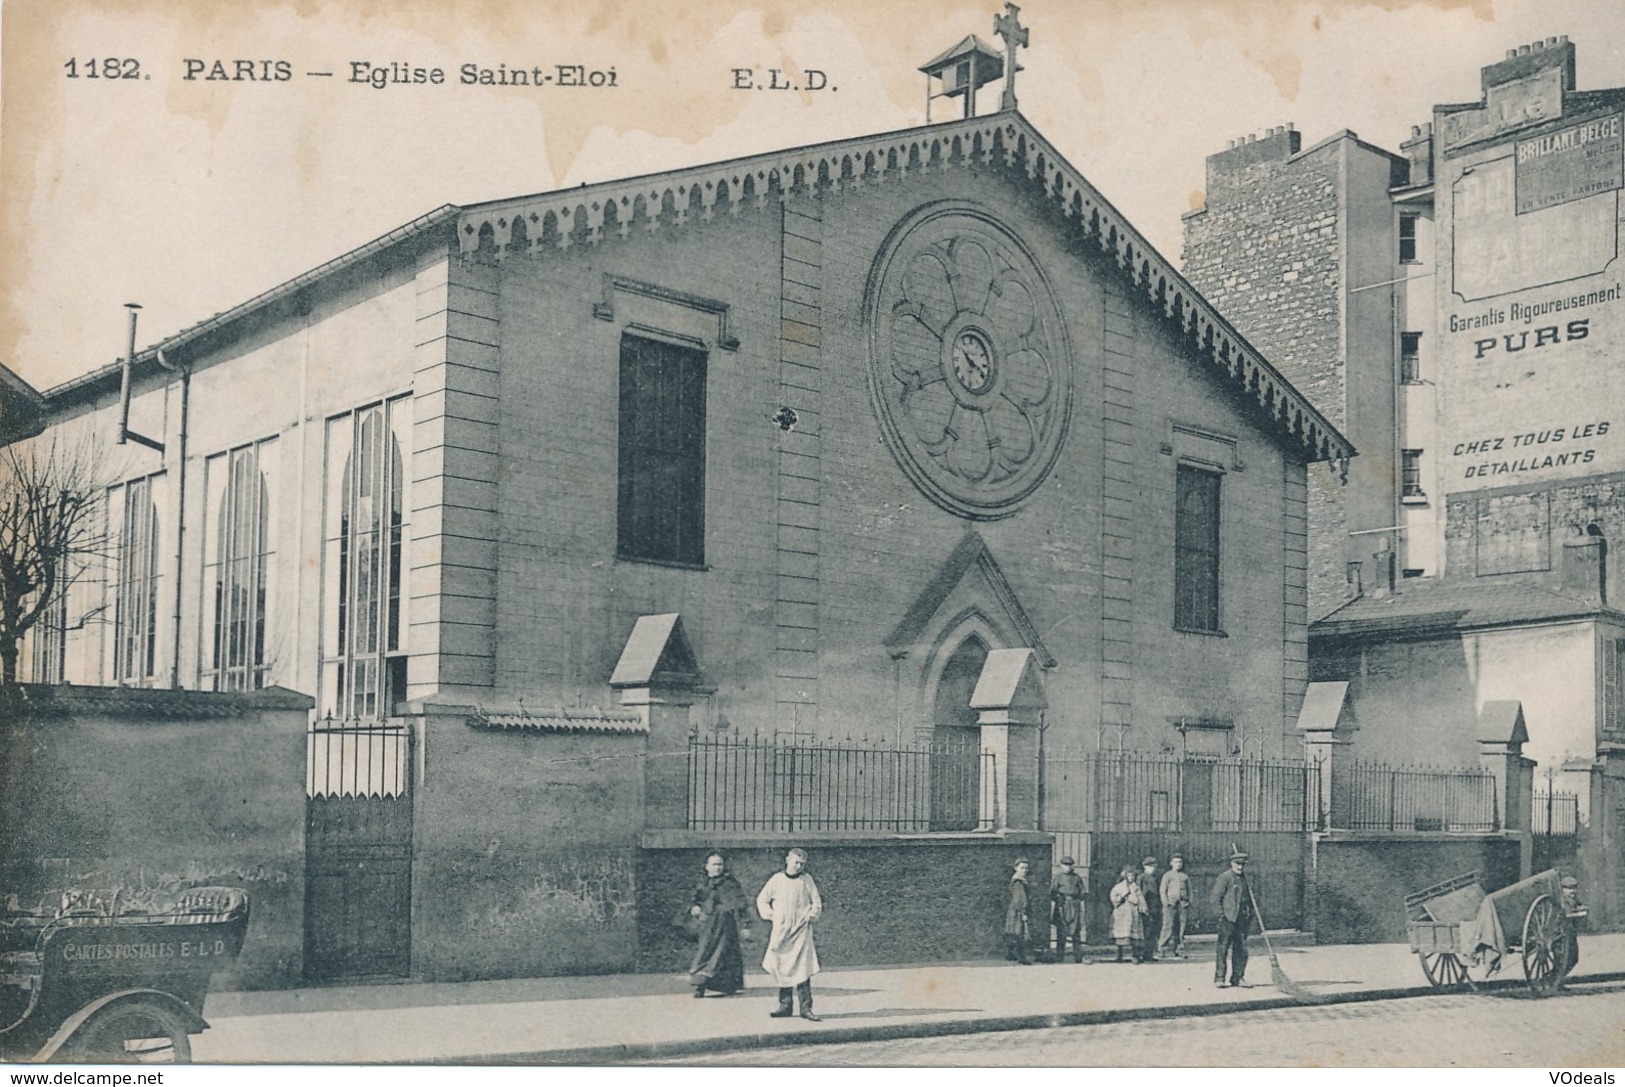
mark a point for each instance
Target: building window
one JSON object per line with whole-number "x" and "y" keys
{"x": 1410, "y": 358}
{"x": 1411, "y": 473}
{"x": 135, "y": 604}
{"x": 1407, "y": 239}
{"x": 237, "y": 554}
{"x": 49, "y": 635}
{"x": 1196, "y": 549}
{"x": 661, "y": 498}
{"x": 1613, "y": 685}
{"x": 364, "y": 614}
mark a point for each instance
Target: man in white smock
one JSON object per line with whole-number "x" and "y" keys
{"x": 790, "y": 901}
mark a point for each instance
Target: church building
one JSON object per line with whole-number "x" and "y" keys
{"x": 827, "y": 428}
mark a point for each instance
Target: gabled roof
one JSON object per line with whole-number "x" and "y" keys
{"x": 647, "y": 205}
{"x": 971, "y": 552}
{"x": 650, "y": 204}
{"x": 1444, "y": 607}
{"x": 970, "y": 43}
{"x": 22, "y": 408}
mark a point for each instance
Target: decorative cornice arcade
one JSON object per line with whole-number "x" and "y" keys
{"x": 537, "y": 224}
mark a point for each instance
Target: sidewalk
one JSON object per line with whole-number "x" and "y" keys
{"x": 593, "y": 1020}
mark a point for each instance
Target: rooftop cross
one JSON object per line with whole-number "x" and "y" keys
{"x": 1014, "y": 34}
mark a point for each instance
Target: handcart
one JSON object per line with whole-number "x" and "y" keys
{"x": 1464, "y": 936}
{"x": 108, "y": 985}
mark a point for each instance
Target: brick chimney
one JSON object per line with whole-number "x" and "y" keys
{"x": 1275, "y": 145}
{"x": 1585, "y": 565}
{"x": 1418, "y": 151}
{"x": 1526, "y": 60}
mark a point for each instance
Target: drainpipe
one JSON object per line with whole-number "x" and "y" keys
{"x": 180, "y": 513}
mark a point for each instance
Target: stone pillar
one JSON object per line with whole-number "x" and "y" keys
{"x": 665, "y": 712}
{"x": 1009, "y": 698}
{"x": 439, "y": 728}
{"x": 1502, "y": 734}
{"x": 658, "y": 678}
{"x": 1327, "y": 727}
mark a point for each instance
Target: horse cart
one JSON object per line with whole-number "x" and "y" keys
{"x": 1464, "y": 937}
{"x": 104, "y": 984}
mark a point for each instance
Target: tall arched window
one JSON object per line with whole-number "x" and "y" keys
{"x": 364, "y": 637}
{"x": 135, "y": 604}
{"x": 237, "y": 560}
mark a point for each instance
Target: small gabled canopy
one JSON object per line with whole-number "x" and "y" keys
{"x": 1009, "y": 681}
{"x": 1501, "y": 722}
{"x": 990, "y": 62}
{"x": 657, "y": 654}
{"x": 1324, "y": 706}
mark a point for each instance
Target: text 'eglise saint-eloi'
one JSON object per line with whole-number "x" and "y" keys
{"x": 401, "y": 73}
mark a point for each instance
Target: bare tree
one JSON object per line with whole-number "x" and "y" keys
{"x": 50, "y": 529}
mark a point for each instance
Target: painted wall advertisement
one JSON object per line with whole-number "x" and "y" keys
{"x": 1569, "y": 164}
{"x": 1533, "y": 335}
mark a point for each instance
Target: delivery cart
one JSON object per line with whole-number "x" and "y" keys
{"x": 109, "y": 985}
{"x": 1464, "y": 937}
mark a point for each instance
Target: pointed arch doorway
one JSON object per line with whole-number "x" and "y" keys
{"x": 956, "y": 739}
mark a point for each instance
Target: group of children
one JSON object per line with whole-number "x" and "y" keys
{"x": 1149, "y": 912}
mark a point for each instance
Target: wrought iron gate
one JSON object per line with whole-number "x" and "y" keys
{"x": 358, "y": 851}
{"x": 1110, "y": 810}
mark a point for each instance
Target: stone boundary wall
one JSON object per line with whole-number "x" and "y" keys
{"x": 146, "y": 792}
{"x": 1360, "y": 880}
{"x": 937, "y": 898}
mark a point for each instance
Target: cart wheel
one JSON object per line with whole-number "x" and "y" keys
{"x": 1446, "y": 972}
{"x": 132, "y": 1032}
{"x": 1545, "y": 946}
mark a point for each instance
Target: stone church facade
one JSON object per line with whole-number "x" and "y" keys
{"x": 859, "y": 413}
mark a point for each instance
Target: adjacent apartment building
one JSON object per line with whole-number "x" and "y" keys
{"x": 1455, "y": 307}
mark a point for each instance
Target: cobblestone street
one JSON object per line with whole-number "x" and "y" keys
{"x": 1582, "y": 1027}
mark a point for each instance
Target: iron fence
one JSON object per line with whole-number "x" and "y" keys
{"x": 1128, "y": 791}
{"x": 1556, "y": 814}
{"x": 356, "y": 758}
{"x": 764, "y": 784}
{"x": 1418, "y": 798}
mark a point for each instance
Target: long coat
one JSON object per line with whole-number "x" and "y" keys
{"x": 792, "y": 904}
{"x": 719, "y": 964}
{"x": 1066, "y": 903}
{"x": 1229, "y": 899}
{"x": 1128, "y": 910}
{"x": 1018, "y": 912}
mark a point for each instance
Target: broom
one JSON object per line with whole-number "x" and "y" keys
{"x": 1277, "y": 975}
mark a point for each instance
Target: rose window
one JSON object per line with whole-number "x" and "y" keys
{"x": 968, "y": 363}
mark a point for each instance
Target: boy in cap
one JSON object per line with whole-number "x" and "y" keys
{"x": 1066, "y": 910}
{"x": 1231, "y": 901}
{"x": 1151, "y": 907}
{"x": 1176, "y": 903}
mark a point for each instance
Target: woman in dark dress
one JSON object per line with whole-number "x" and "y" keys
{"x": 719, "y": 906}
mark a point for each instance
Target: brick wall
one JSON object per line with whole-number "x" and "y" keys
{"x": 1522, "y": 530}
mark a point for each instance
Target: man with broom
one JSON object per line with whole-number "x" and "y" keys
{"x": 1231, "y": 901}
